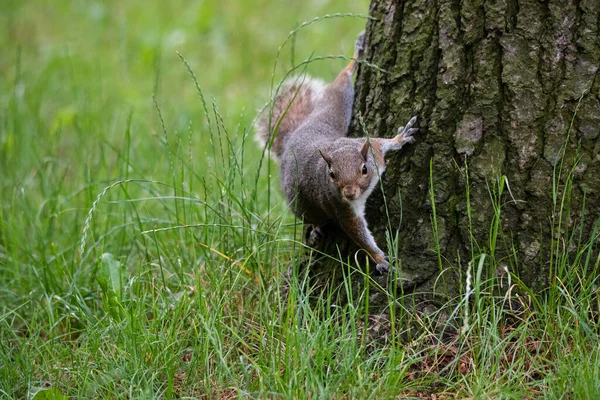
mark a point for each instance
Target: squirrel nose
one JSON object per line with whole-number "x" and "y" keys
{"x": 350, "y": 192}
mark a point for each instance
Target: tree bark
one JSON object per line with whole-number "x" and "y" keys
{"x": 506, "y": 93}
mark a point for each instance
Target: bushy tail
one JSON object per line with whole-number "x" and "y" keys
{"x": 290, "y": 108}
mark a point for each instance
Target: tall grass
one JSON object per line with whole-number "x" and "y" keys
{"x": 143, "y": 255}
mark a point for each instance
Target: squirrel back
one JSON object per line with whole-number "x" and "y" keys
{"x": 290, "y": 108}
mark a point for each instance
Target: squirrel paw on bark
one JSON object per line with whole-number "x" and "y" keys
{"x": 405, "y": 133}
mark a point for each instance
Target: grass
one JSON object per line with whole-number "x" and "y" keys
{"x": 142, "y": 252}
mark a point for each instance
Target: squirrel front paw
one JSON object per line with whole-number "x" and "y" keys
{"x": 405, "y": 133}
{"x": 383, "y": 266}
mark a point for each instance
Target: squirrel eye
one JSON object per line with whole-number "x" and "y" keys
{"x": 331, "y": 174}
{"x": 364, "y": 169}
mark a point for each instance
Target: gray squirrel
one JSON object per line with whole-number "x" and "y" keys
{"x": 326, "y": 176}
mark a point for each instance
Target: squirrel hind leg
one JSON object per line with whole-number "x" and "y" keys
{"x": 359, "y": 46}
{"x": 314, "y": 235}
{"x": 359, "y": 49}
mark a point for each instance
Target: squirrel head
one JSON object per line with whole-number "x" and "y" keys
{"x": 350, "y": 171}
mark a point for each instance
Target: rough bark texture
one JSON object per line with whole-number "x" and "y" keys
{"x": 496, "y": 85}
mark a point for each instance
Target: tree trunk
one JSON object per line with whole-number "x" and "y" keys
{"x": 508, "y": 100}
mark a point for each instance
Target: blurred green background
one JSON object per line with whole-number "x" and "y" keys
{"x": 77, "y": 80}
{"x": 72, "y": 71}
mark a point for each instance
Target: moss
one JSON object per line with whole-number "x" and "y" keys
{"x": 468, "y": 134}
{"x": 590, "y": 184}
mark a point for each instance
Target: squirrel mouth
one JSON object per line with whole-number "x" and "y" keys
{"x": 351, "y": 197}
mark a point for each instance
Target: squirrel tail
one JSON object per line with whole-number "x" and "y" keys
{"x": 295, "y": 101}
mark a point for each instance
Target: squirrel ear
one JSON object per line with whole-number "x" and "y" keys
{"x": 364, "y": 151}
{"x": 326, "y": 157}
